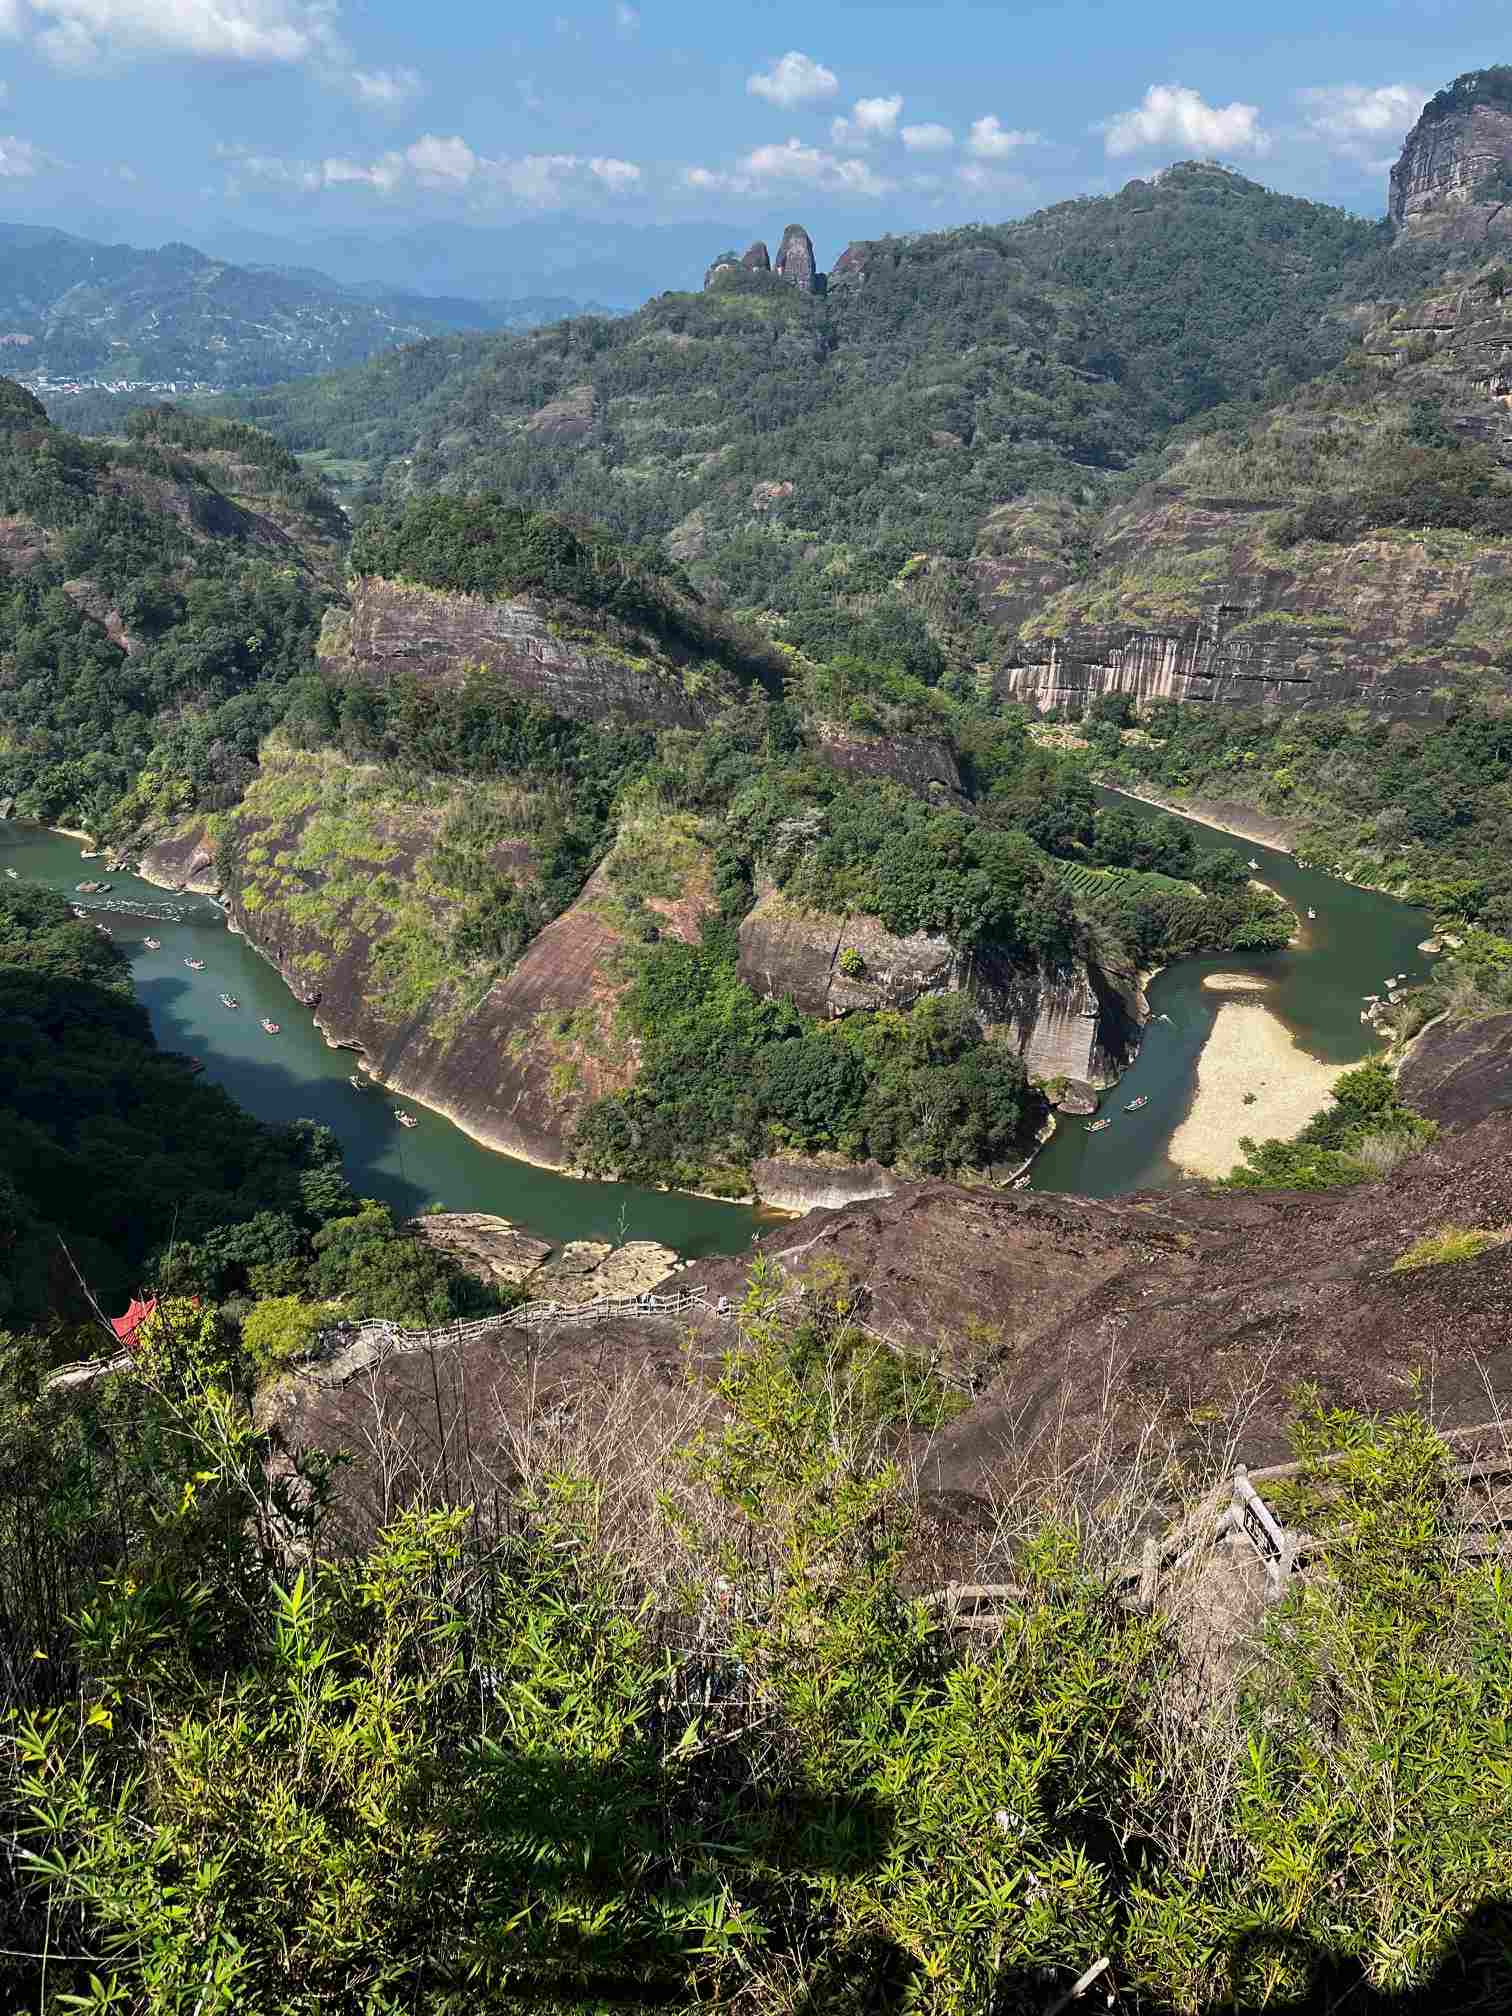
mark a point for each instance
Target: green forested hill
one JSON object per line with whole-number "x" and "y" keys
{"x": 797, "y": 451}
{"x": 156, "y": 597}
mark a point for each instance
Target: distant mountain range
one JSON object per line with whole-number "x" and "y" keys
{"x": 588, "y": 258}
{"x": 80, "y": 315}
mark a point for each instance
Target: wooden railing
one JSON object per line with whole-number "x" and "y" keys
{"x": 83, "y": 1371}
{"x": 1236, "y": 1514}
{"x": 350, "y": 1349}
{"x": 345, "y": 1341}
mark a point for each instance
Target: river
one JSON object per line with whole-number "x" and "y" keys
{"x": 1359, "y": 938}
{"x": 297, "y": 1075}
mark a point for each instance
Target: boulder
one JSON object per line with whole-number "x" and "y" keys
{"x": 490, "y": 1249}
{"x": 589, "y": 1270}
{"x": 727, "y": 262}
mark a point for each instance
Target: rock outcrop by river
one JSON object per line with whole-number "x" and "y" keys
{"x": 1076, "y": 1020}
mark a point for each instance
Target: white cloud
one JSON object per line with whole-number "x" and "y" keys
{"x": 20, "y": 158}
{"x": 991, "y": 140}
{"x": 792, "y": 80}
{"x": 444, "y": 163}
{"x": 387, "y": 88}
{"x": 928, "y": 138}
{"x": 626, "y": 18}
{"x": 615, "y": 175}
{"x": 870, "y": 119}
{"x": 1357, "y": 120}
{"x": 254, "y": 34}
{"x": 792, "y": 164}
{"x": 1173, "y": 115}
{"x": 80, "y": 33}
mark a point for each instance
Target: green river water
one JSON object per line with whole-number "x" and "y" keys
{"x": 297, "y": 1075}
{"x": 1358, "y": 939}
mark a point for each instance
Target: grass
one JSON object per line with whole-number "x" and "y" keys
{"x": 338, "y": 851}
{"x": 1448, "y": 1244}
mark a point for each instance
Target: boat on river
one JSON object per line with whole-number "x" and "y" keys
{"x": 106, "y": 929}
{"x": 90, "y": 854}
{"x": 1312, "y": 913}
{"x": 88, "y": 888}
{"x": 1135, "y": 1104}
{"x": 153, "y": 944}
{"x": 11, "y": 873}
{"x": 195, "y": 965}
{"x": 270, "y": 1025}
{"x": 1252, "y": 863}
{"x": 405, "y": 1119}
{"x": 229, "y": 1001}
{"x": 1097, "y": 1126}
{"x": 360, "y": 1084}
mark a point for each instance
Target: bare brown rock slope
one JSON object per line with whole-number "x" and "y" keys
{"x": 333, "y": 871}
{"x": 1185, "y": 1317}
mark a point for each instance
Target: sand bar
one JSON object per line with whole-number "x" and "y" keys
{"x": 1249, "y": 1050}
{"x": 1236, "y": 983}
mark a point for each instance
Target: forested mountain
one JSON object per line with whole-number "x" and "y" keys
{"x": 798, "y": 450}
{"x": 968, "y": 457}
{"x": 73, "y": 311}
{"x": 156, "y": 597}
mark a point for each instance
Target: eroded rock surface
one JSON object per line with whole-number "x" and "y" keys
{"x": 1386, "y": 620}
{"x": 491, "y": 1249}
{"x": 1458, "y": 1071}
{"x": 1439, "y": 186}
{"x": 1088, "y": 1331}
{"x": 393, "y": 628}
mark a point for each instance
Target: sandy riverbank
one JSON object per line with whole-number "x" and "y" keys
{"x": 1235, "y": 820}
{"x": 1236, "y": 983}
{"x": 1249, "y": 1051}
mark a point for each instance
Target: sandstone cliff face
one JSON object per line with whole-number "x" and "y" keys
{"x": 1437, "y": 185}
{"x": 552, "y": 655}
{"x": 330, "y": 873}
{"x": 1193, "y": 600}
{"x": 1074, "y": 1021}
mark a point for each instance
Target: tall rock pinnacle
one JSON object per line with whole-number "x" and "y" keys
{"x": 795, "y": 259}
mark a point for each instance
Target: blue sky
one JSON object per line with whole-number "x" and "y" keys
{"x": 303, "y": 117}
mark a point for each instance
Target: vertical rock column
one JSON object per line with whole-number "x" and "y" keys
{"x": 795, "y": 259}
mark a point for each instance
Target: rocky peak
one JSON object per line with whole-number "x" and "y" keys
{"x": 727, "y": 262}
{"x": 795, "y": 259}
{"x": 1454, "y": 178}
{"x": 756, "y": 258}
